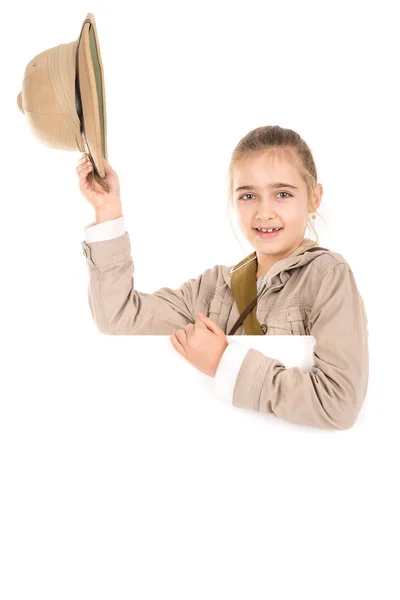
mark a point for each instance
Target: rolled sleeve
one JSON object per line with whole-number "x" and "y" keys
{"x": 228, "y": 370}
{"x": 107, "y": 230}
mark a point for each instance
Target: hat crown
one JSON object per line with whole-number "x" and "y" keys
{"x": 47, "y": 98}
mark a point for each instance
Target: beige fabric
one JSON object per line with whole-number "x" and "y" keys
{"x": 308, "y": 293}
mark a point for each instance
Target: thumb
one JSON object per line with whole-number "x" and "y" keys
{"x": 210, "y": 324}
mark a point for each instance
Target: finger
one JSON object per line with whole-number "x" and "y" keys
{"x": 81, "y": 163}
{"x": 83, "y": 159}
{"x": 180, "y": 337}
{"x": 175, "y": 343}
{"x": 84, "y": 169}
{"x": 180, "y": 334}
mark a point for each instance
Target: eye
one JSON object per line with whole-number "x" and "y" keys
{"x": 287, "y": 194}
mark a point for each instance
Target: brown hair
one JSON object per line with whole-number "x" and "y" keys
{"x": 279, "y": 140}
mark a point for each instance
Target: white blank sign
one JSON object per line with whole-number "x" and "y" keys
{"x": 291, "y": 350}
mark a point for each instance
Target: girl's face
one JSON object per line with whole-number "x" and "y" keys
{"x": 275, "y": 195}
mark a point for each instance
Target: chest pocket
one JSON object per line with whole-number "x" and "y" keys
{"x": 218, "y": 310}
{"x": 215, "y": 306}
{"x": 291, "y": 321}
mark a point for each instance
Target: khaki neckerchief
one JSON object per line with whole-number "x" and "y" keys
{"x": 244, "y": 290}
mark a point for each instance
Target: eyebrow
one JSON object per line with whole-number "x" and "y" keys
{"x": 271, "y": 185}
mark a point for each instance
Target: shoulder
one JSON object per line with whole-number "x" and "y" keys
{"x": 211, "y": 278}
{"x": 328, "y": 260}
{"x": 213, "y": 274}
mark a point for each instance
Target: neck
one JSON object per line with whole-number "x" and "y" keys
{"x": 266, "y": 261}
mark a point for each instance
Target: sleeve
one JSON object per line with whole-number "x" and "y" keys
{"x": 329, "y": 396}
{"x": 118, "y": 309}
{"x": 105, "y": 231}
{"x": 228, "y": 370}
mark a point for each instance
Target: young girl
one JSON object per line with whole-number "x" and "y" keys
{"x": 288, "y": 286}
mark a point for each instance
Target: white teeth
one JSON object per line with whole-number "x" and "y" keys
{"x": 268, "y": 230}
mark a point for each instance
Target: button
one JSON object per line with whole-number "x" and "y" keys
{"x": 87, "y": 253}
{"x": 84, "y": 249}
{"x": 264, "y": 328}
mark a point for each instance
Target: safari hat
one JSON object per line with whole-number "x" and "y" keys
{"x": 63, "y": 97}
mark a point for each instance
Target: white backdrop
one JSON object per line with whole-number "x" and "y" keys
{"x": 121, "y": 475}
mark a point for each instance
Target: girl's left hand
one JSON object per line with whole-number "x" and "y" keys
{"x": 202, "y": 344}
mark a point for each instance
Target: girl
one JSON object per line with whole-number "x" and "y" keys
{"x": 288, "y": 286}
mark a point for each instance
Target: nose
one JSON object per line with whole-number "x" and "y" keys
{"x": 265, "y": 210}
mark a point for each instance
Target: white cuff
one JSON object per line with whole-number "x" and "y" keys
{"x": 228, "y": 370}
{"x": 105, "y": 231}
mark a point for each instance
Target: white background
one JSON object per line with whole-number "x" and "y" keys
{"x": 120, "y": 476}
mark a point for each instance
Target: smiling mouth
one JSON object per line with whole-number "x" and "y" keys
{"x": 266, "y": 235}
{"x": 273, "y": 229}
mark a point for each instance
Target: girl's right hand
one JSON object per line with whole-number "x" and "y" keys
{"x": 104, "y": 195}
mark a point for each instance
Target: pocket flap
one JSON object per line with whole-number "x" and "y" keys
{"x": 296, "y": 314}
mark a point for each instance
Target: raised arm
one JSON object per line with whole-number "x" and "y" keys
{"x": 118, "y": 309}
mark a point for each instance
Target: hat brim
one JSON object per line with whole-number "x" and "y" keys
{"x": 93, "y": 99}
